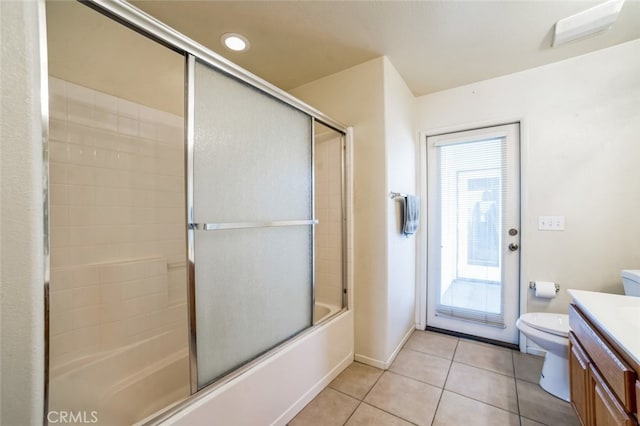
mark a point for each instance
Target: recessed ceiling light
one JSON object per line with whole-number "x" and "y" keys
{"x": 235, "y": 42}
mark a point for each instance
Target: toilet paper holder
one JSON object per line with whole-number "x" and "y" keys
{"x": 532, "y": 285}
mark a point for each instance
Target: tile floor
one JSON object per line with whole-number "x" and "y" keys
{"x": 440, "y": 380}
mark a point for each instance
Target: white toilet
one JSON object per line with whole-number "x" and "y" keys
{"x": 631, "y": 282}
{"x": 551, "y": 333}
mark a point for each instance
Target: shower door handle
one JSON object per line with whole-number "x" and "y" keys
{"x": 243, "y": 225}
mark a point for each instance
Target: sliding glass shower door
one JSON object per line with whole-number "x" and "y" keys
{"x": 250, "y": 221}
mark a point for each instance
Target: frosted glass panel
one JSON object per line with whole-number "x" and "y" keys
{"x": 252, "y": 163}
{"x": 252, "y": 293}
{"x": 252, "y": 157}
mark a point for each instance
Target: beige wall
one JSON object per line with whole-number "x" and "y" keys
{"x": 580, "y": 155}
{"x": 21, "y": 236}
{"x": 356, "y": 97}
{"x": 400, "y": 145}
{"x": 373, "y": 98}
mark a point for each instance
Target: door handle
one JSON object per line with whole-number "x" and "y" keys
{"x": 513, "y": 247}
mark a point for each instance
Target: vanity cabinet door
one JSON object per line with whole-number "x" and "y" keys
{"x": 606, "y": 410}
{"x": 579, "y": 378}
{"x": 638, "y": 400}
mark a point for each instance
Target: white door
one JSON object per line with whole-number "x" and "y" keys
{"x": 473, "y": 219}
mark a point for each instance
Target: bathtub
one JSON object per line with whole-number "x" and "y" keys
{"x": 324, "y": 311}
{"x": 123, "y": 385}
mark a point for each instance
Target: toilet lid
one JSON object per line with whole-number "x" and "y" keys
{"x": 557, "y": 324}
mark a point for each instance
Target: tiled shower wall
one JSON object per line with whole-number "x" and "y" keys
{"x": 328, "y": 207}
{"x": 117, "y": 220}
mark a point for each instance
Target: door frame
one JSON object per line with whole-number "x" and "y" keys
{"x": 421, "y": 189}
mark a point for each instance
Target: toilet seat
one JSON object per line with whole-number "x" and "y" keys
{"x": 557, "y": 324}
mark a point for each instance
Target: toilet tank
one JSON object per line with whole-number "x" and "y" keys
{"x": 631, "y": 282}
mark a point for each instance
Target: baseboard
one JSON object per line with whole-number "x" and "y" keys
{"x": 384, "y": 365}
{"x": 291, "y": 412}
{"x": 369, "y": 361}
{"x": 400, "y": 345}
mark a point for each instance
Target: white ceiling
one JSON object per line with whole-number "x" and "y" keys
{"x": 435, "y": 45}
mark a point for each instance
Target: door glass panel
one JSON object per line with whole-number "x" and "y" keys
{"x": 253, "y": 292}
{"x": 329, "y": 232}
{"x": 252, "y": 164}
{"x": 252, "y": 154}
{"x": 471, "y": 200}
{"x": 118, "y": 342}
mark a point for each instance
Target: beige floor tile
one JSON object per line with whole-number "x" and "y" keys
{"x": 538, "y": 405}
{"x": 366, "y": 415}
{"x": 456, "y": 409}
{"x": 489, "y": 357}
{"x": 356, "y": 380}
{"x": 329, "y": 408}
{"x": 410, "y": 399}
{"x": 417, "y": 365}
{"x": 528, "y": 422}
{"x": 483, "y": 385}
{"x": 527, "y": 367}
{"x": 432, "y": 343}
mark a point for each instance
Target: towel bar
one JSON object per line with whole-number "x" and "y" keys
{"x": 397, "y": 195}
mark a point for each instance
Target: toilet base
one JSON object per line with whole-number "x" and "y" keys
{"x": 555, "y": 376}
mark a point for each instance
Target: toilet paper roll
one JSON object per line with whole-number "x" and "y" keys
{"x": 545, "y": 289}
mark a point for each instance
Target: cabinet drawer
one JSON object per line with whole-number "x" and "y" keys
{"x": 620, "y": 377}
{"x": 607, "y": 411}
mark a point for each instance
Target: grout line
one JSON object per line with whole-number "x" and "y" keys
{"x": 486, "y": 369}
{"x": 419, "y": 380}
{"x": 515, "y": 382}
{"x": 435, "y": 413}
{"x": 343, "y": 393}
{"x": 482, "y": 402}
{"x": 430, "y": 354}
{"x": 474, "y": 399}
{"x": 374, "y": 385}
{"x": 352, "y": 413}
{"x": 390, "y": 413}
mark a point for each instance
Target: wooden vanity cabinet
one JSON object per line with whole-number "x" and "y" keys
{"x": 607, "y": 410}
{"x": 604, "y": 385}
{"x": 579, "y": 379}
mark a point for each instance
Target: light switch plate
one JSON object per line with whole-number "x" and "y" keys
{"x": 551, "y": 223}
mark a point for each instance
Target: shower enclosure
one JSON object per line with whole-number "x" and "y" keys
{"x": 194, "y": 227}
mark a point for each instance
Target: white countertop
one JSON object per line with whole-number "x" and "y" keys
{"x": 617, "y": 315}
